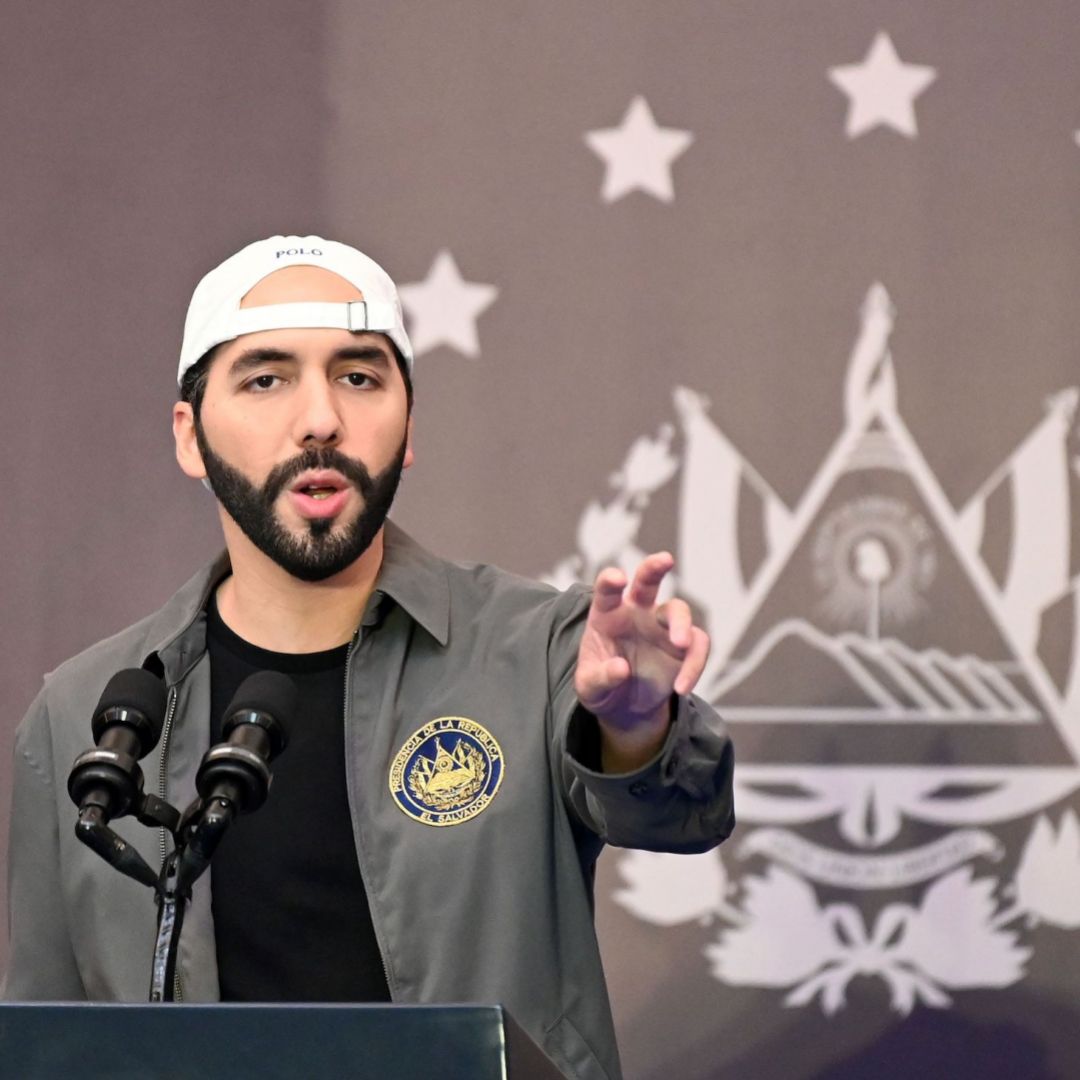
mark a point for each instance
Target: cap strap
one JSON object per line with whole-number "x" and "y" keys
{"x": 358, "y": 315}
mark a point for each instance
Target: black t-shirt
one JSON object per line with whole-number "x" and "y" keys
{"x": 290, "y": 912}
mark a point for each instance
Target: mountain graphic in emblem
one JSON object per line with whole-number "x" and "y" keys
{"x": 797, "y": 672}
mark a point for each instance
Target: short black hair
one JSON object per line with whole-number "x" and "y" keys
{"x": 193, "y": 384}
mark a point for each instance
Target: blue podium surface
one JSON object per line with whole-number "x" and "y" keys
{"x": 80, "y": 1041}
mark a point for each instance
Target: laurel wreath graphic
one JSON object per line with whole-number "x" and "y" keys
{"x": 965, "y": 933}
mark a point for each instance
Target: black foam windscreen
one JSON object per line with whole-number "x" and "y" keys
{"x": 139, "y": 691}
{"x": 266, "y": 692}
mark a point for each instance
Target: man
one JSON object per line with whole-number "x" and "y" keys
{"x": 468, "y": 740}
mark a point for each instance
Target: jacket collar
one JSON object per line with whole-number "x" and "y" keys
{"x": 410, "y": 575}
{"x": 416, "y": 580}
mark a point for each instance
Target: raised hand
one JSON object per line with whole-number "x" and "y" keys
{"x": 634, "y": 653}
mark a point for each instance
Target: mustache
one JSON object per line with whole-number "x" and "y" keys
{"x": 325, "y": 457}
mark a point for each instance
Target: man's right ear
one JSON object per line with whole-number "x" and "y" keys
{"x": 187, "y": 447}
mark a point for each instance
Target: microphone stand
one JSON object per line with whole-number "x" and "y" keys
{"x": 195, "y": 834}
{"x": 195, "y": 837}
{"x": 171, "y": 905}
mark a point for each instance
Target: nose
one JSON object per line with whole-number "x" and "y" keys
{"x": 318, "y": 422}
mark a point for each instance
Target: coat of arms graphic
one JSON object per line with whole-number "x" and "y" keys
{"x": 902, "y": 682}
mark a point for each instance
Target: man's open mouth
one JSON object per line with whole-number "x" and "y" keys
{"x": 320, "y": 486}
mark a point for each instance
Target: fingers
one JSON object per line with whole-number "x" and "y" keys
{"x": 693, "y": 663}
{"x": 608, "y": 589}
{"x": 648, "y": 577}
{"x": 675, "y": 617}
{"x": 597, "y": 681}
{"x": 611, "y": 583}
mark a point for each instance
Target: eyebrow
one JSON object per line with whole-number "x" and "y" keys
{"x": 252, "y": 358}
{"x": 372, "y": 353}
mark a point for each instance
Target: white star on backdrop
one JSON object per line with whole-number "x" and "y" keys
{"x": 444, "y": 307}
{"x": 638, "y": 154}
{"x": 882, "y": 89}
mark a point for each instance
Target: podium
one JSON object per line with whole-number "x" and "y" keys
{"x": 291, "y": 1042}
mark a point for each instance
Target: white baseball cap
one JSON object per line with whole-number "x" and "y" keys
{"x": 214, "y": 314}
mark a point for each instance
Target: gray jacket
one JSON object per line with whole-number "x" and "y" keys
{"x": 495, "y": 908}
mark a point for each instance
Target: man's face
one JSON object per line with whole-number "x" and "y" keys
{"x": 302, "y": 434}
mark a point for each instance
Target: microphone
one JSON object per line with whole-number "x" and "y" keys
{"x": 234, "y": 776}
{"x": 106, "y": 782}
{"x": 127, "y": 725}
{"x": 237, "y": 770}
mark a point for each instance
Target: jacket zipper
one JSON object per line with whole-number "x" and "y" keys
{"x": 166, "y": 731}
{"x": 359, "y": 862}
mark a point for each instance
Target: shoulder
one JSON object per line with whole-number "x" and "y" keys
{"x": 58, "y": 720}
{"x": 491, "y": 587}
{"x": 515, "y": 608}
{"x": 72, "y": 689}
{"x": 471, "y": 599}
{"x": 126, "y": 648}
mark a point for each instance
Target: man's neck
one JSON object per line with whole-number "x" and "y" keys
{"x": 268, "y": 607}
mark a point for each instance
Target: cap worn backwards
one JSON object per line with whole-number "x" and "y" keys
{"x": 215, "y": 315}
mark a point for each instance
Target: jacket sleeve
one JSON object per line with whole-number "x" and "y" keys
{"x": 41, "y": 964}
{"x": 681, "y": 801}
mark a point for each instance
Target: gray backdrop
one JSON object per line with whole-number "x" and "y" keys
{"x": 862, "y": 278}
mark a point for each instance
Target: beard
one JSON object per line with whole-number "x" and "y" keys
{"x": 322, "y": 550}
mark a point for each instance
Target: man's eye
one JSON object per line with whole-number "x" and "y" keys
{"x": 359, "y": 378}
{"x": 262, "y": 382}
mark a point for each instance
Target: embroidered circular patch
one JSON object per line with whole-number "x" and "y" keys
{"x": 447, "y": 772}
